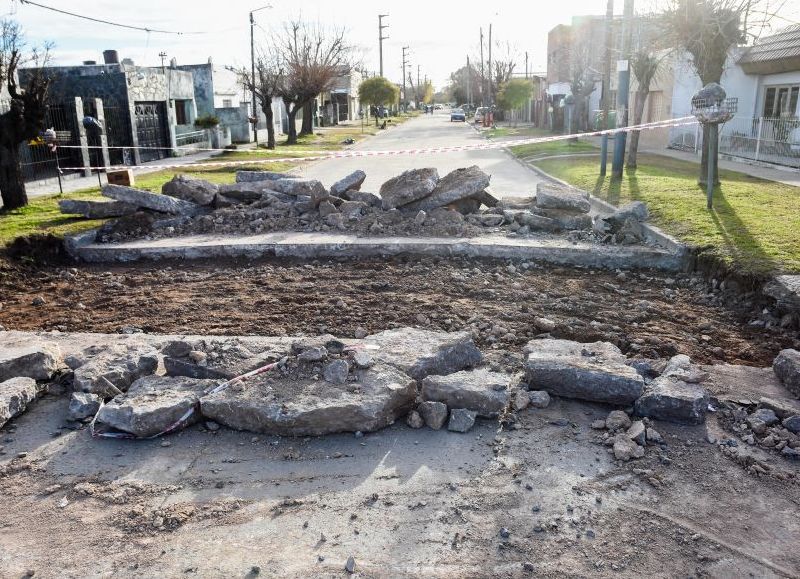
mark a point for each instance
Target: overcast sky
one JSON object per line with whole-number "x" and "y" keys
{"x": 440, "y": 34}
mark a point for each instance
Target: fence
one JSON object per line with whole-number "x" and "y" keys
{"x": 192, "y": 140}
{"x": 770, "y": 140}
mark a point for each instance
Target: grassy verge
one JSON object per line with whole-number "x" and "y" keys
{"x": 754, "y": 227}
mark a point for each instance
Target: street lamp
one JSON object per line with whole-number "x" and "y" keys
{"x": 253, "y": 71}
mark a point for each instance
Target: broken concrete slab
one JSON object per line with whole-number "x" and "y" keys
{"x": 596, "y": 372}
{"x": 246, "y": 192}
{"x": 461, "y": 420}
{"x": 154, "y": 404}
{"x": 568, "y": 220}
{"x": 787, "y": 368}
{"x": 110, "y": 370}
{"x": 223, "y": 358}
{"x": 83, "y": 405}
{"x": 781, "y": 408}
{"x": 276, "y": 405}
{"x": 193, "y": 190}
{"x": 297, "y": 187}
{"x": 254, "y": 176}
{"x": 407, "y": 187}
{"x": 352, "y": 182}
{"x": 15, "y": 396}
{"x": 536, "y": 222}
{"x": 455, "y": 186}
{"x": 481, "y": 390}
{"x": 35, "y": 359}
{"x": 553, "y": 196}
{"x": 153, "y": 201}
{"x": 433, "y": 413}
{"x": 668, "y": 398}
{"x": 369, "y": 199}
{"x": 95, "y": 209}
{"x": 420, "y": 353}
{"x": 785, "y": 290}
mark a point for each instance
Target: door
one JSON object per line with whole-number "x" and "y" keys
{"x": 151, "y": 129}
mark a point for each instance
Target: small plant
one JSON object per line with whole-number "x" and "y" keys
{"x": 206, "y": 122}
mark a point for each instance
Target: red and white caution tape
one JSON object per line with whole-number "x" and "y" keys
{"x": 319, "y": 155}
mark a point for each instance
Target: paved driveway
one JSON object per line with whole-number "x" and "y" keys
{"x": 509, "y": 177}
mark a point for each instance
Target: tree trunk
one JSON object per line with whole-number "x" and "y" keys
{"x": 308, "y": 119}
{"x": 291, "y": 136}
{"x": 638, "y": 113}
{"x": 270, "y": 116}
{"x": 12, "y": 184}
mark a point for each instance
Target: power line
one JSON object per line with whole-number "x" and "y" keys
{"x": 101, "y": 21}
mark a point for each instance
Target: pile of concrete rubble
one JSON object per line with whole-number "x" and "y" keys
{"x": 146, "y": 386}
{"x": 417, "y": 202}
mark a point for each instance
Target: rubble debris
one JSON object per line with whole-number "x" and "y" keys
{"x": 461, "y": 420}
{"x": 626, "y": 449}
{"x": 596, "y": 372}
{"x": 433, "y": 413}
{"x": 539, "y": 398}
{"x": 194, "y": 190}
{"x": 787, "y": 368}
{"x": 407, "y": 187}
{"x": 520, "y": 400}
{"x": 552, "y": 196}
{"x": 291, "y": 404}
{"x": 298, "y": 187}
{"x": 457, "y": 185}
{"x": 253, "y": 176}
{"x": 352, "y": 182}
{"x": 625, "y": 224}
{"x": 154, "y": 201}
{"x": 671, "y": 399}
{"x": 38, "y": 360}
{"x": 414, "y": 420}
{"x": 154, "y": 404}
{"x": 95, "y": 209}
{"x": 420, "y": 353}
{"x": 617, "y": 420}
{"x": 109, "y": 371}
{"x": 483, "y": 391}
{"x": 15, "y": 396}
{"x": 637, "y": 432}
{"x": 223, "y": 358}
{"x": 83, "y": 405}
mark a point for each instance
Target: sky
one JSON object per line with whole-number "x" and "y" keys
{"x": 440, "y": 35}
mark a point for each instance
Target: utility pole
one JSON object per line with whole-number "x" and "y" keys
{"x": 419, "y": 87}
{"x": 623, "y": 88}
{"x": 469, "y": 88}
{"x": 483, "y": 78}
{"x": 607, "y": 85}
{"x": 162, "y": 55}
{"x": 253, "y": 71}
{"x": 381, "y": 37}
{"x": 403, "y": 96}
{"x": 491, "y": 96}
{"x": 526, "y": 64}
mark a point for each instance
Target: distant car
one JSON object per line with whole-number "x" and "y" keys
{"x": 437, "y": 107}
{"x": 458, "y": 115}
{"x": 480, "y": 113}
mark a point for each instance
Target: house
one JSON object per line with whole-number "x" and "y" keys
{"x": 341, "y": 102}
{"x": 765, "y": 79}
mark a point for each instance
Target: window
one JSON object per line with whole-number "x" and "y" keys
{"x": 180, "y": 113}
{"x": 781, "y": 101}
{"x": 227, "y": 103}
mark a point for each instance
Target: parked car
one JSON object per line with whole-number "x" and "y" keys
{"x": 458, "y": 115}
{"x": 480, "y": 113}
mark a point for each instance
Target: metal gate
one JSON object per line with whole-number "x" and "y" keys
{"x": 118, "y": 133}
{"x": 151, "y": 129}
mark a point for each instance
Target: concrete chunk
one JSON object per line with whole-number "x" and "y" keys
{"x": 787, "y": 368}
{"x": 246, "y": 192}
{"x": 222, "y": 357}
{"x": 459, "y": 184}
{"x": 192, "y": 190}
{"x": 433, "y": 413}
{"x": 596, "y": 372}
{"x": 15, "y": 396}
{"x": 408, "y": 187}
{"x": 153, "y": 201}
{"x": 295, "y": 187}
{"x": 461, "y": 420}
{"x": 154, "y": 404}
{"x": 483, "y": 391}
{"x": 254, "y": 176}
{"x": 38, "y": 360}
{"x": 552, "y": 196}
{"x": 352, "y": 182}
{"x": 111, "y": 370}
{"x": 83, "y": 405}
{"x": 276, "y": 405}
{"x": 420, "y": 353}
{"x": 668, "y": 398}
{"x": 95, "y": 209}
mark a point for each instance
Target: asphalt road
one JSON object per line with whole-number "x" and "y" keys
{"x": 509, "y": 177}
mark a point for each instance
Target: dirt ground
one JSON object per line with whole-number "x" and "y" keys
{"x": 543, "y": 498}
{"x": 646, "y": 314}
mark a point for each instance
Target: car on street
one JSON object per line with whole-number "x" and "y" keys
{"x": 458, "y": 115}
{"x": 480, "y": 113}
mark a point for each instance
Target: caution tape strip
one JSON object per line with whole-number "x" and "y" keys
{"x": 319, "y": 155}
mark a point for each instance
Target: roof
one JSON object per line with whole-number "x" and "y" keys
{"x": 779, "y": 52}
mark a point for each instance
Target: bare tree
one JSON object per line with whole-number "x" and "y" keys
{"x": 707, "y": 30}
{"x": 645, "y": 66}
{"x": 268, "y": 82}
{"x": 25, "y": 117}
{"x": 582, "y": 82}
{"x": 312, "y": 58}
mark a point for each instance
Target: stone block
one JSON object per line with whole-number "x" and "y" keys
{"x": 38, "y": 360}
{"x": 668, "y": 398}
{"x": 408, "y": 187}
{"x": 481, "y": 390}
{"x": 15, "y": 396}
{"x": 352, "y": 182}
